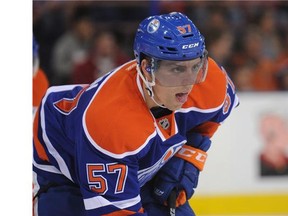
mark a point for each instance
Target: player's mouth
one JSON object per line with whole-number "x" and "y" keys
{"x": 182, "y": 97}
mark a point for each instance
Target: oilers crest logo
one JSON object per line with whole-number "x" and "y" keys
{"x": 153, "y": 26}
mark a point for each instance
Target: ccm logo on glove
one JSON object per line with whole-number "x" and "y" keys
{"x": 193, "y": 155}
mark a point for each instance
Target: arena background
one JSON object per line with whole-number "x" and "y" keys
{"x": 250, "y": 39}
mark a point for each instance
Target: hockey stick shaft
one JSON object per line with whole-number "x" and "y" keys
{"x": 172, "y": 203}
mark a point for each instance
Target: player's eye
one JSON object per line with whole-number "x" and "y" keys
{"x": 178, "y": 69}
{"x": 196, "y": 67}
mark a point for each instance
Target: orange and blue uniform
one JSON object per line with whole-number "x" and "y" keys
{"x": 103, "y": 139}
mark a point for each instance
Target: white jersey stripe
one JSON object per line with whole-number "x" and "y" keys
{"x": 99, "y": 201}
{"x": 48, "y": 168}
{"x": 186, "y": 110}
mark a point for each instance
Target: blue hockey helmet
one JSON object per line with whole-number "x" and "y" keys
{"x": 170, "y": 36}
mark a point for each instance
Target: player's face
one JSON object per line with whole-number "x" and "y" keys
{"x": 181, "y": 73}
{"x": 175, "y": 80}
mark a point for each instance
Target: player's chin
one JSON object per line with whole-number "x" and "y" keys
{"x": 175, "y": 106}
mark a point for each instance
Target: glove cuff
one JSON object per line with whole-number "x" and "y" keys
{"x": 193, "y": 155}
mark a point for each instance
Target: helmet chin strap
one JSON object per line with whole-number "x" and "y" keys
{"x": 149, "y": 86}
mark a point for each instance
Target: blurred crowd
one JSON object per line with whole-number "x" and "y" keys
{"x": 81, "y": 40}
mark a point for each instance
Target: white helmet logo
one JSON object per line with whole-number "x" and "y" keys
{"x": 153, "y": 26}
{"x": 188, "y": 46}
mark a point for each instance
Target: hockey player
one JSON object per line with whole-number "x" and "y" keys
{"x": 134, "y": 141}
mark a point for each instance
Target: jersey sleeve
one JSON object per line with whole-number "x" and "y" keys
{"x": 231, "y": 101}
